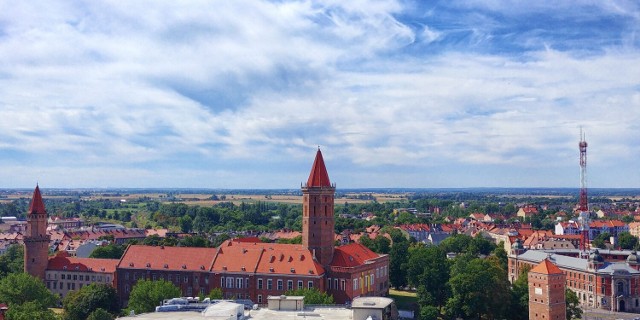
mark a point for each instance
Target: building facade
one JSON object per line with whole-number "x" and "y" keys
{"x": 65, "y": 273}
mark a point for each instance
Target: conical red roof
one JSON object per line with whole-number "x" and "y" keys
{"x": 546, "y": 267}
{"x": 37, "y": 205}
{"x": 318, "y": 176}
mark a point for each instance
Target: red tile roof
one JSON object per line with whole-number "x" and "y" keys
{"x": 37, "y": 205}
{"x": 62, "y": 261}
{"x": 318, "y": 176}
{"x": 168, "y": 258}
{"x": 352, "y": 255}
{"x": 546, "y": 267}
{"x": 268, "y": 258}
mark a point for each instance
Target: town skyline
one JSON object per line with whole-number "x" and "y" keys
{"x": 397, "y": 94}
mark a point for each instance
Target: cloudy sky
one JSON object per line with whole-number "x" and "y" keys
{"x": 240, "y": 94}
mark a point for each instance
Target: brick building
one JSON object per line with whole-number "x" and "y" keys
{"x": 601, "y": 284}
{"x": 65, "y": 273}
{"x": 546, "y": 292}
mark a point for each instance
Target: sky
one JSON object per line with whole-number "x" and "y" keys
{"x": 240, "y": 94}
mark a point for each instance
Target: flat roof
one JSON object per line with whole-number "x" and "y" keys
{"x": 371, "y": 302}
{"x": 315, "y": 313}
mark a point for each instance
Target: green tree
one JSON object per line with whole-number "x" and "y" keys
{"x": 79, "y": 304}
{"x": 428, "y": 271}
{"x": 479, "y": 289}
{"x": 186, "y": 223}
{"x": 627, "y": 241}
{"x": 100, "y": 314}
{"x": 398, "y": 258}
{"x": 12, "y": 261}
{"x": 573, "y": 305}
{"x": 520, "y": 296}
{"x": 215, "y": 293}
{"x": 111, "y": 251}
{"x": 147, "y": 294}
{"x": 601, "y": 240}
{"x": 382, "y": 244}
{"x": 29, "y": 311}
{"x": 311, "y": 296}
{"x": 20, "y": 288}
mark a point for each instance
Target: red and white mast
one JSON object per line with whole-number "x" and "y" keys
{"x": 583, "y": 205}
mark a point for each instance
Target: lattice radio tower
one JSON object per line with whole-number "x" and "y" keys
{"x": 583, "y": 205}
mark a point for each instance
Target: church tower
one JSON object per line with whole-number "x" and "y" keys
{"x": 546, "y": 292}
{"x": 36, "y": 239}
{"x": 317, "y": 212}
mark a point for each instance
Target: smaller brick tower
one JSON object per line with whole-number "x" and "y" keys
{"x": 546, "y": 292}
{"x": 36, "y": 239}
{"x": 317, "y": 212}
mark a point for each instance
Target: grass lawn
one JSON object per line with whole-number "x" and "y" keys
{"x": 405, "y": 300}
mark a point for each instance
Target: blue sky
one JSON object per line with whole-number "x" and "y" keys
{"x": 239, "y": 94}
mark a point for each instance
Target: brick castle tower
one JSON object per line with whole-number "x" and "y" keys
{"x": 317, "y": 212}
{"x": 546, "y": 292}
{"x": 36, "y": 240}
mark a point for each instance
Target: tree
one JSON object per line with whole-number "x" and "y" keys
{"x": 110, "y": 251}
{"x": 382, "y": 244}
{"x": 79, "y": 304}
{"x": 398, "y": 258}
{"x": 215, "y": 293}
{"x": 520, "y": 296}
{"x": 311, "y": 296}
{"x": 30, "y": 311}
{"x": 100, "y": 314}
{"x": 20, "y": 288}
{"x": 600, "y": 240}
{"x": 186, "y": 224}
{"x": 479, "y": 289}
{"x": 428, "y": 271}
{"x": 12, "y": 261}
{"x": 627, "y": 241}
{"x": 147, "y": 294}
{"x": 573, "y": 305}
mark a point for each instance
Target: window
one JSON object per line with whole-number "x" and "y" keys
{"x": 62, "y": 276}
{"x": 335, "y": 284}
{"x": 189, "y": 291}
{"x": 126, "y": 288}
{"x": 246, "y": 282}
{"x": 155, "y": 277}
{"x": 259, "y": 298}
{"x": 239, "y": 283}
{"x": 371, "y": 283}
{"x": 229, "y": 282}
{"x": 75, "y": 277}
{"x": 186, "y": 279}
{"x": 279, "y": 285}
{"x": 310, "y": 284}
{"x": 290, "y": 285}
{"x": 202, "y": 291}
{"x": 620, "y": 287}
{"x": 222, "y": 282}
{"x": 260, "y": 284}
{"x": 55, "y": 285}
{"x": 195, "y": 279}
{"x": 342, "y": 284}
{"x": 206, "y": 280}
{"x": 269, "y": 284}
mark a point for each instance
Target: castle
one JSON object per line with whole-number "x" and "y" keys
{"x": 241, "y": 268}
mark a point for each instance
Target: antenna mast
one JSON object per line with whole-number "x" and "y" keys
{"x": 583, "y": 205}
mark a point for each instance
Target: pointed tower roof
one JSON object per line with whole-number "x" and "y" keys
{"x": 37, "y": 205}
{"x": 318, "y": 176}
{"x": 546, "y": 267}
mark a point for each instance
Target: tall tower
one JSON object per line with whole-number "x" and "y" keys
{"x": 317, "y": 212}
{"x": 546, "y": 292}
{"x": 36, "y": 240}
{"x": 583, "y": 205}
